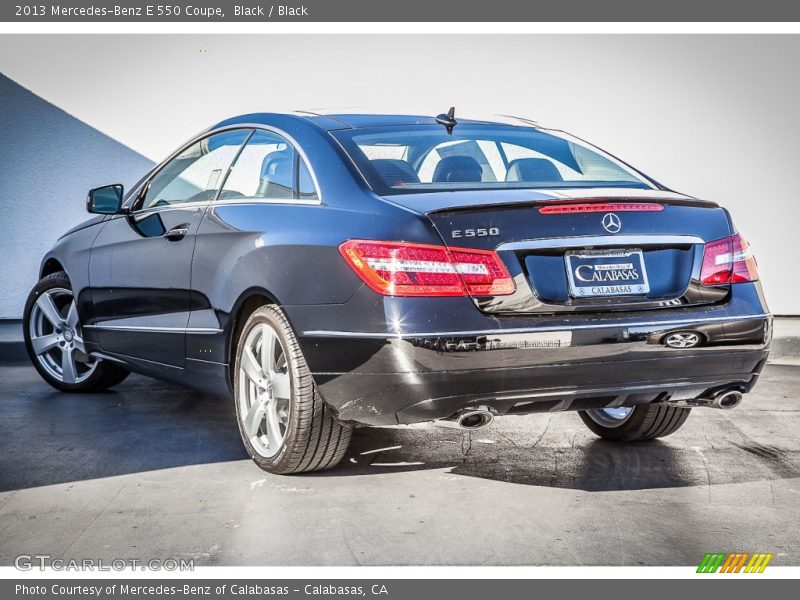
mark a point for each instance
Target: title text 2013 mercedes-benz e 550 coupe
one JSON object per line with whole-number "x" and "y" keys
{"x": 333, "y": 270}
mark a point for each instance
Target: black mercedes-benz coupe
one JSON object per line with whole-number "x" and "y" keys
{"x": 331, "y": 270}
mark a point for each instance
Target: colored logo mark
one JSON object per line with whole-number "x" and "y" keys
{"x": 736, "y": 562}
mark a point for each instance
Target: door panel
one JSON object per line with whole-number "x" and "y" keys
{"x": 140, "y": 284}
{"x": 141, "y": 263}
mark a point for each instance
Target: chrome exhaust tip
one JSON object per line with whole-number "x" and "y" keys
{"x": 725, "y": 400}
{"x": 467, "y": 419}
{"x": 728, "y": 400}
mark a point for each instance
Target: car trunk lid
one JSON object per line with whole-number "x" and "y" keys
{"x": 580, "y": 250}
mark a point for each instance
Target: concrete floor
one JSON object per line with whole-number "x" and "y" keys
{"x": 153, "y": 471}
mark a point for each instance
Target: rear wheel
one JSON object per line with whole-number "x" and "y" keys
{"x": 54, "y": 340}
{"x": 284, "y": 424}
{"x": 635, "y": 423}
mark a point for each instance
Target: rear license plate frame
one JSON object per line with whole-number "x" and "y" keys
{"x": 576, "y": 259}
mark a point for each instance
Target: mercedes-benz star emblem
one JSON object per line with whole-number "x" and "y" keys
{"x": 611, "y": 223}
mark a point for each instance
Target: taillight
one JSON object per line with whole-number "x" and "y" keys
{"x": 403, "y": 269}
{"x": 729, "y": 260}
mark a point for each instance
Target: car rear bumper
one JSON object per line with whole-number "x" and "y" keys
{"x": 546, "y": 365}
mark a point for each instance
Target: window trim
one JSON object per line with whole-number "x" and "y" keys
{"x": 136, "y": 195}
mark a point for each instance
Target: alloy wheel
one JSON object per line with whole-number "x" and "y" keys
{"x": 687, "y": 339}
{"x": 610, "y": 416}
{"x": 264, "y": 390}
{"x": 56, "y": 337}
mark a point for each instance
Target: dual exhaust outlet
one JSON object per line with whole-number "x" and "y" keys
{"x": 477, "y": 418}
{"x": 729, "y": 399}
{"x": 725, "y": 400}
{"x": 468, "y": 419}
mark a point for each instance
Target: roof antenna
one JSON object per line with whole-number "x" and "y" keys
{"x": 448, "y": 120}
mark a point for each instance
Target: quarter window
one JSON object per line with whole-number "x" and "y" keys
{"x": 268, "y": 168}
{"x": 305, "y": 185}
{"x": 196, "y": 173}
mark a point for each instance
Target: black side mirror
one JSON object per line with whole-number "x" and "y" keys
{"x": 106, "y": 200}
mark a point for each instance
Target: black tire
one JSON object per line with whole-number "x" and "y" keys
{"x": 105, "y": 374}
{"x": 314, "y": 439}
{"x": 645, "y": 422}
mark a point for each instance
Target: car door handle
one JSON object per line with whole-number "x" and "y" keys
{"x": 177, "y": 233}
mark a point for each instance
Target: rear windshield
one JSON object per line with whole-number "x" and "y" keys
{"x": 425, "y": 158}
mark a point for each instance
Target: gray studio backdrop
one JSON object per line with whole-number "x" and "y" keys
{"x": 712, "y": 116}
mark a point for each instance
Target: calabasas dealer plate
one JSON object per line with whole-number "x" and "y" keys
{"x": 606, "y": 273}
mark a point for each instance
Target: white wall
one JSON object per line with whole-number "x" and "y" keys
{"x": 48, "y": 161}
{"x": 711, "y": 116}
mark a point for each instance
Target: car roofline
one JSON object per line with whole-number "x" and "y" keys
{"x": 339, "y": 121}
{"x": 361, "y": 120}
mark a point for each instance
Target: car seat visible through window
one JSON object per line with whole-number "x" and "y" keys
{"x": 277, "y": 175}
{"x": 533, "y": 170}
{"x": 458, "y": 169}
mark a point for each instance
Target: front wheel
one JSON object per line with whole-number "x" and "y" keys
{"x": 284, "y": 424}
{"x": 635, "y": 423}
{"x": 54, "y": 340}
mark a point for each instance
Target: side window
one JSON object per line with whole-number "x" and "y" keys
{"x": 264, "y": 169}
{"x": 268, "y": 168}
{"x": 305, "y": 184}
{"x": 196, "y": 173}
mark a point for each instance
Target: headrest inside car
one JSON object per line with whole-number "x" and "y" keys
{"x": 277, "y": 174}
{"x": 538, "y": 170}
{"x": 458, "y": 169}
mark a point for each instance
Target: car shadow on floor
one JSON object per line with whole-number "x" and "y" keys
{"x": 47, "y": 437}
{"x": 591, "y": 465}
